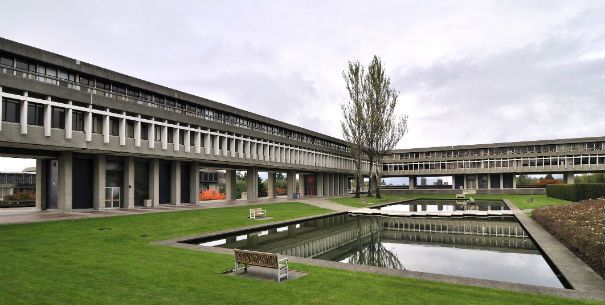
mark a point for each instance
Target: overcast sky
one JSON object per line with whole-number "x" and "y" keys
{"x": 467, "y": 71}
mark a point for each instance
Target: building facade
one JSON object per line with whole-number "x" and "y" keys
{"x": 106, "y": 140}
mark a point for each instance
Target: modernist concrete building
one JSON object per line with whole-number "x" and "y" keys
{"x": 106, "y": 140}
{"x": 494, "y": 166}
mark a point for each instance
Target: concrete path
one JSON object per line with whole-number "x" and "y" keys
{"x": 31, "y": 215}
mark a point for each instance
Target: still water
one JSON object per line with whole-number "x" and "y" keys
{"x": 495, "y": 248}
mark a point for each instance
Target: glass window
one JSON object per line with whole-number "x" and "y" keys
{"x": 58, "y": 117}
{"x": 63, "y": 75}
{"x": 114, "y": 126}
{"x": 77, "y": 119}
{"x": 21, "y": 64}
{"x": 10, "y": 110}
{"x": 35, "y": 114}
{"x": 51, "y": 71}
{"x": 129, "y": 129}
{"x": 144, "y": 131}
{"x": 170, "y": 135}
{"x": 158, "y": 133}
{"x": 97, "y": 123}
{"x": 6, "y": 61}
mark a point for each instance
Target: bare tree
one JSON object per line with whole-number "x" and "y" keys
{"x": 383, "y": 127}
{"x": 353, "y": 123}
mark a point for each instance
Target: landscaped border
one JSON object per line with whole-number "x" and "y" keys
{"x": 579, "y": 291}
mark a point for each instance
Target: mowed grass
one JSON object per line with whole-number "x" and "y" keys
{"x": 113, "y": 260}
{"x": 521, "y": 201}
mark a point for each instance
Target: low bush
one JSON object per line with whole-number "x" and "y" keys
{"x": 576, "y": 192}
{"x": 580, "y": 227}
{"x": 211, "y": 194}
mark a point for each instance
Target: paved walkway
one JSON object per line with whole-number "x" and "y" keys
{"x": 31, "y": 215}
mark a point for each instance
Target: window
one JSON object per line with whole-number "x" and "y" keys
{"x": 77, "y": 120}
{"x": 130, "y": 128}
{"x": 35, "y": 114}
{"x": 58, "y": 118}
{"x": 51, "y": 72}
{"x": 158, "y": 133}
{"x": 170, "y": 135}
{"x": 21, "y": 64}
{"x": 144, "y": 131}
{"x": 87, "y": 81}
{"x": 97, "y": 123}
{"x": 6, "y": 61}
{"x": 114, "y": 124}
{"x": 10, "y": 110}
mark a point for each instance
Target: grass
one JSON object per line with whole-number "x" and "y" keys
{"x": 74, "y": 262}
{"x": 521, "y": 201}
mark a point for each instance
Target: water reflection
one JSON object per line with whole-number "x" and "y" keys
{"x": 445, "y": 206}
{"x": 495, "y": 248}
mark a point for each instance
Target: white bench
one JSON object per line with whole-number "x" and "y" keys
{"x": 258, "y": 213}
{"x": 261, "y": 259}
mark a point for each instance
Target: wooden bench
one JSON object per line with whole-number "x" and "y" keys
{"x": 261, "y": 259}
{"x": 258, "y": 213}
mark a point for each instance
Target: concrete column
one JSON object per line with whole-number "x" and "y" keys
{"x": 87, "y": 124}
{"x": 48, "y": 121}
{"x": 291, "y": 181}
{"x": 176, "y": 138}
{"x": 331, "y": 185}
{"x": 233, "y": 143}
{"x": 187, "y": 140}
{"x": 194, "y": 183}
{"x": 465, "y": 183}
{"x": 198, "y": 142}
{"x": 137, "y": 131}
{"x": 123, "y": 130}
{"x": 514, "y": 181}
{"x": 40, "y": 183}
{"x": 1, "y": 106}
{"x": 98, "y": 182}
{"x": 301, "y": 184}
{"x": 271, "y": 185}
{"x": 225, "y": 151}
{"x": 411, "y": 182}
{"x": 65, "y": 180}
{"x": 320, "y": 185}
{"x": 453, "y": 182}
{"x": 230, "y": 185}
{"x": 128, "y": 187}
{"x": 154, "y": 182}
{"x": 23, "y": 118}
{"x": 254, "y": 150}
{"x": 207, "y": 143}
{"x": 240, "y": 148}
{"x": 217, "y": 145}
{"x": 337, "y": 187}
{"x": 501, "y": 181}
{"x": 106, "y": 123}
{"x": 151, "y": 136}
{"x": 164, "y": 136}
{"x": 248, "y": 148}
{"x": 252, "y": 184}
{"x": 489, "y": 181}
{"x": 175, "y": 183}
{"x": 569, "y": 178}
{"x": 68, "y": 121}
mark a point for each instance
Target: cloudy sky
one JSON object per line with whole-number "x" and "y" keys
{"x": 467, "y": 71}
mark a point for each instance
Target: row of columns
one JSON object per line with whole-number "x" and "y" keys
{"x": 66, "y": 184}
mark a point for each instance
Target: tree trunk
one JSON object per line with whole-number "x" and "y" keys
{"x": 370, "y": 180}
{"x": 378, "y": 180}
{"x": 357, "y": 183}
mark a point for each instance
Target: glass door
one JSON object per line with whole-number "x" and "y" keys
{"x": 112, "y": 197}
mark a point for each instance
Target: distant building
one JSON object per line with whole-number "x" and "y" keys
{"x": 210, "y": 179}
{"x": 17, "y": 182}
{"x": 439, "y": 182}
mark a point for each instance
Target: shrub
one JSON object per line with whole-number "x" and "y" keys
{"x": 21, "y": 196}
{"x": 576, "y": 192}
{"x": 211, "y": 194}
{"x": 580, "y": 227}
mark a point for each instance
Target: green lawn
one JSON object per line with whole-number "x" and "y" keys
{"x": 74, "y": 262}
{"x": 521, "y": 201}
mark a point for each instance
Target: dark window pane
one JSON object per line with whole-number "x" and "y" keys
{"x": 144, "y": 131}
{"x": 6, "y": 61}
{"x": 10, "y": 110}
{"x": 58, "y": 118}
{"x": 77, "y": 119}
{"x": 97, "y": 123}
{"x": 21, "y": 64}
{"x": 115, "y": 126}
{"x": 130, "y": 128}
{"x": 35, "y": 114}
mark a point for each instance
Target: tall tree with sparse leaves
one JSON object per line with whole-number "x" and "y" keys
{"x": 352, "y": 125}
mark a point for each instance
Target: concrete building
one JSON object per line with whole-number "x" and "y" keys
{"x": 107, "y": 140}
{"x": 494, "y": 166}
{"x": 21, "y": 182}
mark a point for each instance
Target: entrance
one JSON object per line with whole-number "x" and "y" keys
{"x": 114, "y": 180}
{"x": 311, "y": 185}
{"x": 141, "y": 182}
{"x": 112, "y": 197}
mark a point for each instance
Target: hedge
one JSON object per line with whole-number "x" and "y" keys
{"x": 576, "y": 192}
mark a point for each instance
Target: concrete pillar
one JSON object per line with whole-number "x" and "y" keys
{"x": 106, "y": 123}
{"x": 207, "y": 143}
{"x": 514, "y": 181}
{"x": 489, "y": 181}
{"x": 271, "y": 185}
{"x": 1, "y": 106}
{"x": 151, "y": 136}
{"x": 65, "y": 180}
{"x": 164, "y": 136}
{"x": 194, "y": 183}
{"x": 252, "y": 184}
{"x": 40, "y": 184}
{"x": 224, "y": 146}
{"x": 291, "y": 183}
{"x": 465, "y": 183}
{"x": 320, "y": 184}
{"x": 87, "y": 125}
{"x": 331, "y": 185}
{"x": 23, "y": 117}
{"x": 569, "y": 178}
{"x": 501, "y": 181}
{"x": 176, "y": 138}
{"x": 68, "y": 121}
{"x": 137, "y": 131}
{"x": 240, "y": 148}
{"x": 326, "y": 184}
{"x": 98, "y": 182}
{"x": 198, "y": 142}
{"x": 122, "y": 130}
{"x": 233, "y": 147}
{"x": 411, "y": 182}
{"x": 175, "y": 183}
{"x": 217, "y": 145}
{"x": 187, "y": 140}
{"x": 154, "y": 182}
{"x": 301, "y": 184}
{"x": 128, "y": 187}
{"x": 453, "y": 182}
{"x": 230, "y": 185}
{"x": 48, "y": 121}
{"x": 248, "y": 148}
